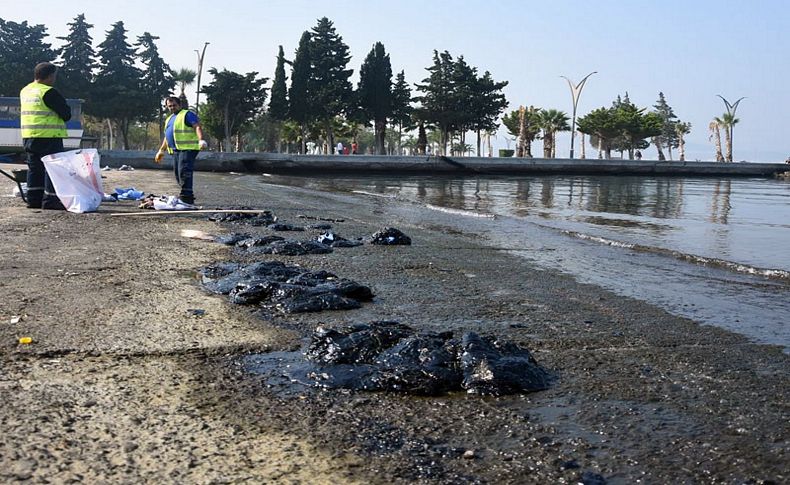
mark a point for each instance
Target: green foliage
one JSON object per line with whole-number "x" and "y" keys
{"x": 299, "y": 94}
{"x": 329, "y": 86}
{"x": 374, "y": 92}
{"x": 401, "y": 101}
{"x": 668, "y": 137}
{"x": 278, "y": 104}
{"x": 623, "y": 127}
{"x": 454, "y": 99}
{"x": 78, "y": 62}
{"x": 551, "y": 121}
{"x": 532, "y": 123}
{"x": 601, "y": 125}
{"x": 439, "y": 100}
{"x": 157, "y": 82}
{"x": 118, "y": 92}
{"x": 212, "y": 122}
{"x": 183, "y": 78}
{"x": 488, "y": 102}
{"x": 22, "y": 46}
{"x": 238, "y": 98}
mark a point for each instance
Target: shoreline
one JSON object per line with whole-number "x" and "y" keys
{"x": 121, "y": 382}
{"x": 283, "y": 163}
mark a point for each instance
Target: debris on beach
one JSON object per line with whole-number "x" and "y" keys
{"x": 390, "y": 356}
{"x": 197, "y": 234}
{"x": 321, "y": 226}
{"x": 331, "y": 239}
{"x": 313, "y": 218}
{"x": 251, "y": 242}
{"x": 231, "y": 239}
{"x": 279, "y": 226}
{"x": 286, "y": 288}
{"x": 290, "y": 248}
{"x": 389, "y": 236}
{"x": 262, "y": 218}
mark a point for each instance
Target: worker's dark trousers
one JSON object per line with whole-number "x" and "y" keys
{"x": 40, "y": 191}
{"x": 183, "y": 166}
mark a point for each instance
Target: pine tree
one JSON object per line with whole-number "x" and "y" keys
{"x": 487, "y": 104}
{"x": 78, "y": 59}
{"x": 668, "y": 137}
{"x": 375, "y": 92}
{"x": 157, "y": 81}
{"x": 464, "y": 82}
{"x": 299, "y": 95}
{"x": 237, "y": 98}
{"x": 22, "y": 46}
{"x": 330, "y": 90}
{"x": 401, "y": 105}
{"x": 437, "y": 101}
{"x": 118, "y": 93}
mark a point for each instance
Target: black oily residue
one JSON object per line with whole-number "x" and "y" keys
{"x": 290, "y": 248}
{"x": 389, "y": 356}
{"x": 289, "y": 289}
{"x": 262, "y": 218}
{"x": 390, "y": 236}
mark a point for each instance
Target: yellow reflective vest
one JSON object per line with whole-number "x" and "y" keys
{"x": 185, "y": 136}
{"x": 37, "y": 119}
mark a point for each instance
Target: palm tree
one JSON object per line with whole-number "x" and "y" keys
{"x": 184, "y": 77}
{"x": 551, "y": 121}
{"x": 715, "y": 134}
{"x": 727, "y": 121}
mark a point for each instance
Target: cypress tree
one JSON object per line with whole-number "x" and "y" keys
{"x": 330, "y": 90}
{"x": 278, "y": 104}
{"x": 299, "y": 96}
{"x": 375, "y": 92}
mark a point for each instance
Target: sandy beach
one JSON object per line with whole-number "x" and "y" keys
{"x": 125, "y": 382}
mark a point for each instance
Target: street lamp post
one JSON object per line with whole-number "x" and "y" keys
{"x": 576, "y": 90}
{"x": 731, "y": 109}
{"x": 200, "y": 56}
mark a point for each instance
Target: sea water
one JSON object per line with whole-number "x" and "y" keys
{"x": 716, "y": 250}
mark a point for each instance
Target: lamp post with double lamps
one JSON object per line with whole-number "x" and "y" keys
{"x": 576, "y": 90}
{"x": 731, "y": 109}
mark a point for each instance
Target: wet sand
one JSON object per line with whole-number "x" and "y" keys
{"x": 124, "y": 383}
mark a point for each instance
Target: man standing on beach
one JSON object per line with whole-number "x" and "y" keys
{"x": 183, "y": 139}
{"x": 44, "y": 113}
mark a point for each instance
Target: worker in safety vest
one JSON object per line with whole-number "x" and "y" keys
{"x": 183, "y": 139}
{"x": 44, "y": 113}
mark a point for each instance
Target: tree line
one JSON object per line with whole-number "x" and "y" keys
{"x": 311, "y": 98}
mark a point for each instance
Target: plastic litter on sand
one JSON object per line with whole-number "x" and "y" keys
{"x": 173, "y": 203}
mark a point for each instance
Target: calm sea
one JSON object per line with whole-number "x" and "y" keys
{"x": 715, "y": 250}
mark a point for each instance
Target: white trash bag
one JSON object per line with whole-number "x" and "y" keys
{"x": 76, "y": 177}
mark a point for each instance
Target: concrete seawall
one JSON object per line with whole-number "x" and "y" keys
{"x": 366, "y": 164}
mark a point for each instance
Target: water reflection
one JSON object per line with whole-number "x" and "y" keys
{"x": 719, "y": 218}
{"x": 720, "y": 204}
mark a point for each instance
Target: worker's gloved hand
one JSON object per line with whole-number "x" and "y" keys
{"x": 202, "y": 144}
{"x": 159, "y": 156}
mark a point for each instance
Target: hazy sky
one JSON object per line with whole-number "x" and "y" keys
{"x": 689, "y": 50}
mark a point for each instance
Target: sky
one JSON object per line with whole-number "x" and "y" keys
{"x": 691, "y": 51}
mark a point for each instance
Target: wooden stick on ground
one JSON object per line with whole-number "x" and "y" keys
{"x": 154, "y": 212}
